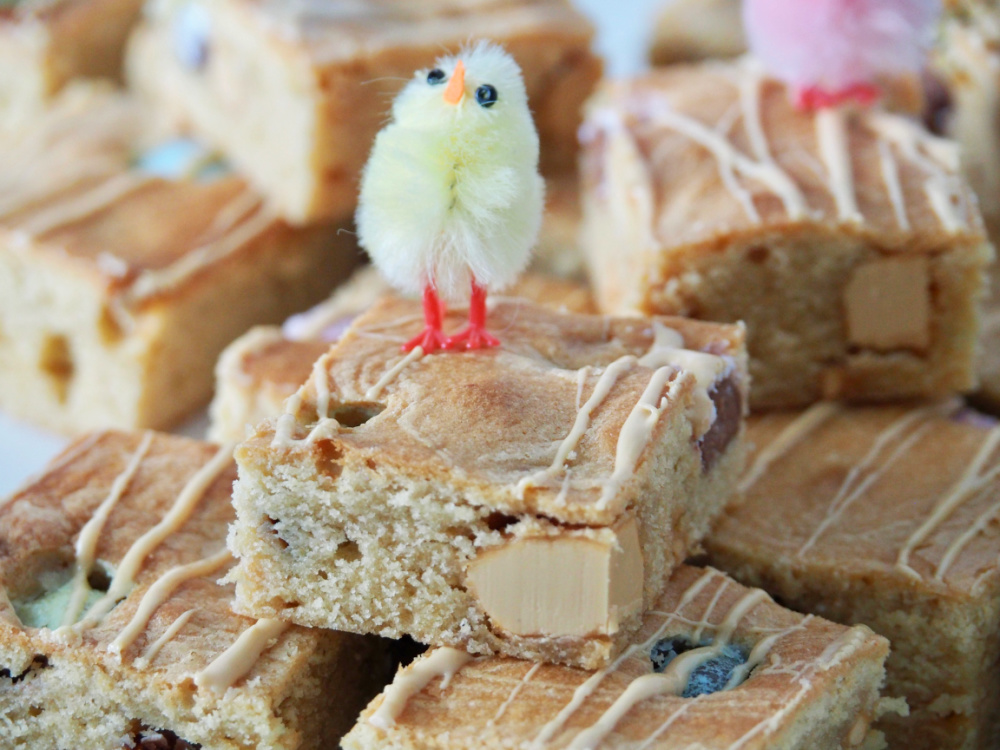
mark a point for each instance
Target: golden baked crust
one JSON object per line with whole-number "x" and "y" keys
{"x": 526, "y": 390}
{"x": 376, "y": 517}
{"x": 816, "y": 686}
{"x": 149, "y": 662}
{"x": 258, "y": 371}
{"x": 734, "y": 205}
{"x": 331, "y": 68}
{"x": 885, "y": 516}
{"x": 123, "y": 286}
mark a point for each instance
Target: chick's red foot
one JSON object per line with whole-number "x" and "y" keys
{"x": 473, "y": 337}
{"x": 430, "y": 340}
{"x": 815, "y": 97}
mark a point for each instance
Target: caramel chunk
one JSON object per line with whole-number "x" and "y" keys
{"x": 573, "y": 584}
{"x": 887, "y": 305}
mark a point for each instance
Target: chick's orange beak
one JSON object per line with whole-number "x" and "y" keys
{"x": 456, "y": 86}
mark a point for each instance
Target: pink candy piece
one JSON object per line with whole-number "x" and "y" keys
{"x": 828, "y": 50}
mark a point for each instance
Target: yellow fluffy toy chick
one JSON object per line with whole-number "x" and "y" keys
{"x": 451, "y": 197}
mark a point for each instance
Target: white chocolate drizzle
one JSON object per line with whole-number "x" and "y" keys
{"x": 228, "y": 667}
{"x": 793, "y": 434}
{"x": 893, "y": 187}
{"x": 831, "y": 135}
{"x": 959, "y": 543}
{"x": 869, "y": 470}
{"x": 86, "y": 542}
{"x": 667, "y": 357}
{"x": 443, "y": 662}
{"x": 637, "y": 430}
{"x": 168, "y": 635}
{"x": 81, "y": 206}
{"x": 705, "y": 620}
{"x": 583, "y": 691}
{"x": 393, "y": 372}
{"x": 731, "y": 158}
{"x": 826, "y": 660}
{"x": 161, "y": 590}
{"x": 648, "y": 742}
{"x": 321, "y": 382}
{"x": 512, "y": 696}
{"x": 971, "y": 481}
{"x": 605, "y": 382}
{"x": 936, "y": 157}
{"x": 189, "y": 497}
{"x": 237, "y": 660}
{"x": 154, "y": 282}
{"x": 760, "y": 652}
{"x": 673, "y": 679}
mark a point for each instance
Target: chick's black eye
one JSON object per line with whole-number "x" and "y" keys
{"x": 486, "y": 95}
{"x": 435, "y": 76}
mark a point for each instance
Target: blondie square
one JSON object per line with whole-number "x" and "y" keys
{"x": 528, "y": 500}
{"x": 692, "y": 30}
{"x": 967, "y": 62}
{"x": 294, "y": 92}
{"x": 114, "y": 629}
{"x": 46, "y": 43}
{"x": 887, "y": 516}
{"x": 128, "y": 263}
{"x": 716, "y": 665}
{"x": 846, "y": 240}
{"x": 262, "y": 368}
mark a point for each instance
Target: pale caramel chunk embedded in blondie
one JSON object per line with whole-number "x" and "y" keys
{"x": 886, "y": 516}
{"x": 529, "y": 500}
{"x": 116, "y": 633}
{"x": 846, "y": 240}
{"x": 716, "y": 665}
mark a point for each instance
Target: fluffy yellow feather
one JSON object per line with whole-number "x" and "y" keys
{"x": 451, "y": 198}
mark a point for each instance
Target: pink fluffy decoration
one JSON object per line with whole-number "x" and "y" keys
{"x": 831, "y": 50}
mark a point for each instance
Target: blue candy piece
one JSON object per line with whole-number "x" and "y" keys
{"x": 710, "y": 677}
{"x": 181, "y": 159}
{"x": 191, "y": 30}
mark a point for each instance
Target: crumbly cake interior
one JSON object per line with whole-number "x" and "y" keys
{"x": 735, "y": 206}
{"x": 803, "y": 682}
{"x": 367, "y": 523}
{"x": 113, "y": 623}
{"x": 885, "y": 515}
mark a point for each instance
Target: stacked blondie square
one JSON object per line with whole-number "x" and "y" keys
{"x": 872, "y": 496}
{"x": 726, "y": 495}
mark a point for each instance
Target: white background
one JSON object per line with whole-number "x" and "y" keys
{"x": 624, "y": 28}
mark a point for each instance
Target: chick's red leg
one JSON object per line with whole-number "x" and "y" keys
{"x": 431, "y": 339}
{"x": 474, "y": 336}
{"x": 816, "y": 97}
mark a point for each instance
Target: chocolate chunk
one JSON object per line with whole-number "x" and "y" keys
{"x": 728, "y": 412}
{"x": 938, "y": 104}
{"x": 162, "y": 739}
